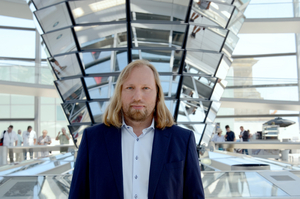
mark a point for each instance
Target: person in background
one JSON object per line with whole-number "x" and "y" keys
{"x": 244, "y": 137}
{"x": 44, "y": 140}
{"x": 9, "y": 139}
{"x": 63, "y": 139}
{"x": 219, "y": 138}
{"x": 20, "y": 142}
{"x": 230, "y": 137}
{"x": 29, "y": 139}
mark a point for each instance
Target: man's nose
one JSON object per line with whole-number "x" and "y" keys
{"x": 137, "y": 94}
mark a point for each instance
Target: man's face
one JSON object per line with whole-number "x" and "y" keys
{"x": 63, "y": 130}
{"x": 19, "y": 131}
{"x": 9, "y": 129}
{"x": 139, "y": 94}
{"x": 29, "y": 130}
{"x": 228, "y": 129}
{"x": 242, "y": 128}
{"x": 45, "y": 133}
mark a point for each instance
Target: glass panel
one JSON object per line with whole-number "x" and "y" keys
{"x": 171, "y": 104}
{"x": 236, "y": 22}
{"x": 192, "y": 111}
{"x": 46, "y": 76}
{"x": 66, "y": 65}
{"x": 71, "y": 89}
{"x": 77, "y": 132}
{"x": 269, "y": 9}
{"x": 22, "y": 111}
{"x": 211, "y": 13}
{"x": 61, "y": 41}
{"x": 4, "y": 111}
{"x": 59, "y": 17}
{"x": 102, "y": 36}
{"x": 163, "y": 10}
{"x": 16, "y": 22}
{"x": 169, "y": 85}
{"x": 163, "y": 60}
{"x": 17, "y": 43}
{"x": 95, "y": 11}
{"x": 98, "y": 109}
{"x": 22, "y": 99}
{"x": 264, "y": 44}
{"x": 76, "y": 112}
{"x": 209, "y": 129}
{"x": 230, "y": 44}
{"x": 205, "y": 38}
{"x": 100, "y": 87}
{"x": 157, "y": 35}
{"x": 40, "y": 3}
{"x": 4, "y": 98}
{"x": 47, "y": 113}
{"x": 198, "y": 87}
{"x": 196, "y": 128}
{"x": 104, "y": 61}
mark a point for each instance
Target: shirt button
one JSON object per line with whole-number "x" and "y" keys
{"x": 137, "y": 139}
{"x": 136, "y": 157}
{"x": 135, "y": 176}
{"x": 135, "y": 196}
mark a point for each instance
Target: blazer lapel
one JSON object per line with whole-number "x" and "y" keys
{"x": 159, "y": 151}
{"x": 114, "y": 150}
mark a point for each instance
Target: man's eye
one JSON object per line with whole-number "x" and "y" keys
{"x": 146, "y": 88}
{"x": 129, "y": 88}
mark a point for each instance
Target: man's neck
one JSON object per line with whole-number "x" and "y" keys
{"x": 138, "y": 126}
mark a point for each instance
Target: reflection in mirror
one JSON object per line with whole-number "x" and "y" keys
{"x": 76, "y": 112}
{"x": 61, "y": 41}
{"x": 202, "y": 63}
{"x": 211, "y": 13}
{"x": 41, "y": 3}
{"x": 65, "y": 66}
{"x": 236, "y": 22}
{"x": 163, "y": 60}
{"x": 98, "y": 109}
{"x": 169, "y": 85}
{"x": 157, "y": 35}
{"x": 193, "y": 110}
{"x": 205, "y": 38}
{"x": 163, "y": 10}
{"x": 207, "y": 135}
{"x": 230, "y": 44}
{"x": 77, "y": 132}
{"x": 104, "y": 61}
{"x": 223, "y": 67}
{"x": 198, "y": 87}
{"x": 70, "y": 89}
{"x": 196, "y": 128}
{"x": 171, "y": 104}
{"x": 102, "y": 36}
{"x": 211, "y": 116}
{"x": 95, "y": 11}
{"x": 101, "y": 87}
{"x": 59, "y": 17}
{"x": 218, "y": 90}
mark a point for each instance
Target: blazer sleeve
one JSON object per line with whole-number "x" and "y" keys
{"x": 192, "y": 188}
{"x": 80, "y": 181}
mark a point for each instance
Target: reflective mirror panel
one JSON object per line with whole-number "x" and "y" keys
{"x": 169, "y": 85}
{"x": 211, "y": 13}
{"x": 61, "y": 41}
{"x": 202, "y": 63}
{"x": 76, "y": 112}
{"x": 71, "y": 89}
{"x": 230, "y": 44}
{"x": 157, "y": 35}
{"x": 196, "y": 128}
{"x": 207, "y": 135}
{"x": 77, "y": 132}
{"x": 223, "y": 68}
{"x": 95, "y": 11}
{"x": 98, "y": 109}
{"x": 104, "y": 61}
{"x": 205, "y": 38}
{"x": 65, "y": 66}
{"x": 102, "y": 36}
{"x": 163, "y": 10}
{"x": 163, "y": 60}
{"x": 236, "y": 22}
{"x": 198, "y": 87}
{"x": 101, "y": 87}
{"x": 42, "y": 3}
{"x": 54, "y": 17}
{"x": 192, "y": 110}
{"x": 211, "y": 116}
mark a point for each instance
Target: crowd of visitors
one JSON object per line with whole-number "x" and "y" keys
{"x": 244, "y": 136}
{"x": 29, "y": 137}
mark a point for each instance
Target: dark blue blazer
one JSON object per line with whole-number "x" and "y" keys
{"x": 174, "y": 170}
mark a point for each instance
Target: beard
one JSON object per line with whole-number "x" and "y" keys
{"x": 136, "y": 115}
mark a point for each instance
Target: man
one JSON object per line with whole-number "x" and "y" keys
{"x": 138, "y": 152}
{"x": 20, "y": 142}
{"x": 244, "y": 136}
{"x": 29, "y": 139}
{"x": 44, "y": 140}
{"x": 63, "y": 139}
{"x": 230, "y": 137}
{"x": 9, "y": 139}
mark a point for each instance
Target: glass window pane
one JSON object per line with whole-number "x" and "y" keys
{"x": 22, "y": 111}
{"x": 60, "y": 116}
{"x": 4, "y": 98}
{"x": 17, "y": 43}
{"x": 47, "y": 113}
{"x": 47, "y": 100}
{"x": 22, "y": 99}
{"x": 4, "y": 111}
{"x": 16, "y": 22}
{"x": 269, "y": 9}
{"x": 253, "y": 44}
{"x": 46, "y": 76}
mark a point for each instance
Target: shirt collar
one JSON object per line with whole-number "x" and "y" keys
{"x": 150, "y": 127}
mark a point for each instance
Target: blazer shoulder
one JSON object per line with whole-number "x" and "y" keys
{"x": 179, "y": 131}
{"x": 99, "y": 129}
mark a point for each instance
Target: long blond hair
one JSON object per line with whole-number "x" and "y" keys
{"x": 113, "y": 113}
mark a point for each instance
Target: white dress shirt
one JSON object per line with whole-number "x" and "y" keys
{"x": 9, "y": 138}
{"x": 136, "y": 160}
{"x": 28, "y": 138}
